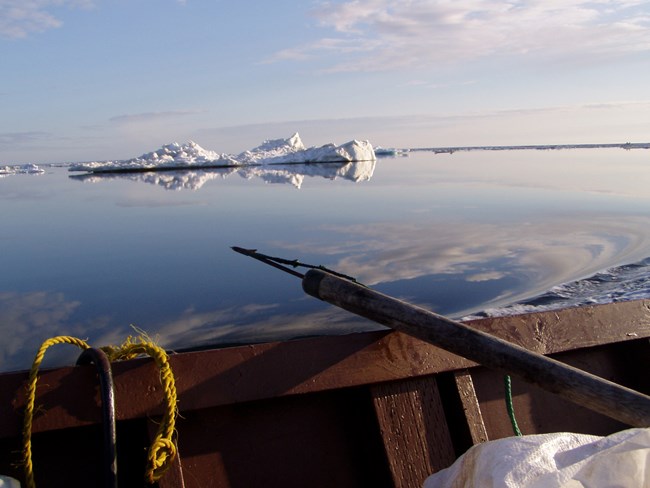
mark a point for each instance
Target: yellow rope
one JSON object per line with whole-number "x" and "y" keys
{"x": 31, "y": 396}
{"x": 163, "y": 449}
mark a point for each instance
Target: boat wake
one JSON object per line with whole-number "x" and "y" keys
{"x": 617, "y": 284}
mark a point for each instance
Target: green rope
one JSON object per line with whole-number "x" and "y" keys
{"x": 509, "y": 405}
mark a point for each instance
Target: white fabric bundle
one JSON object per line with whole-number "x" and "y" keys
{"x": 553, "y": 460}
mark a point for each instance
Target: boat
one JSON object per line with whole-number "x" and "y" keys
{"x": 381, "y": 408}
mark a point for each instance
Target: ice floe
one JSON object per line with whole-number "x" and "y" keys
{"x": 276, "y": 151}
{"x": 616, "y": 284}
{"x": 390, "y": 151}
{"x": 22, "y": 169}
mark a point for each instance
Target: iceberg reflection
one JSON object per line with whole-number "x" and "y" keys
{"x": 194, "y": 179}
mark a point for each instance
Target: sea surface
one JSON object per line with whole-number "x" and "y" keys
{"x": 470, "y": 233}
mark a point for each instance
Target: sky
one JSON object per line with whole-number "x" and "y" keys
{"x": 87, "y": 80}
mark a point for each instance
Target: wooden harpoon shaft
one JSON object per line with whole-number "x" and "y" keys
{"x": 585, "y": 389}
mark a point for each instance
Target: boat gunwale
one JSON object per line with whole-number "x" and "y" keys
{"x": 218, "y": 377}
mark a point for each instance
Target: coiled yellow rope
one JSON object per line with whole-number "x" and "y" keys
{"x": 31, "y": 396}
{"x": 162, "y": 450}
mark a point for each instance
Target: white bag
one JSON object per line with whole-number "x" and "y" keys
{"x": 552, "y": 461}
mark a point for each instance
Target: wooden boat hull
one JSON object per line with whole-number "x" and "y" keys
{"x": 377, "y": 408}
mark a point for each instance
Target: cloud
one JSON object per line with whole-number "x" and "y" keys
{"x": 147, "y": 117}
{"x": 370, "y": 35}
{"x": 19, "y": 18}
{"x": 531, "y": 125}
{"x": 11, "y": 139}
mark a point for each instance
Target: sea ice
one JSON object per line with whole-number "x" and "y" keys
{"x": 390, "y": 151}
{"x": 169, "y": 156}
{"x": 22, "y": 169}
{"x": 276, "y": 151}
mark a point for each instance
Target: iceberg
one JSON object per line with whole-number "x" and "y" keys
{"x": 170, "y": 156}
{"x": 23, "y": 169}
{"x": 276, "y": 151}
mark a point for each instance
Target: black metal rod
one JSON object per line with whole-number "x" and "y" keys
{"x": 103, "y": 366}
{"x": 260, "y": 257}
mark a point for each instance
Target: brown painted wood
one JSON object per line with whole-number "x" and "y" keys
{"x": 470, "y": 405}
{"x": 319, "y": 440}
{"x": 274, "y": 414}
{"x": 538, "y": 411}
{"x": 573, "y": 328}
{"x": 220, "y": 377}
{"x": 414, "y": 429}
{"x": 585, "y": 389}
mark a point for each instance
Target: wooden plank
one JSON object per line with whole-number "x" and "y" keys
{"x": 573, "y": 328}
{"x": 413, "y": 426}
{"x": 538, "y": 411}
{"x": 318, "y": 441}
{"x": 239, "y": 374}
{"x": 585, "y": 389}
{"x": 471, "y": 408}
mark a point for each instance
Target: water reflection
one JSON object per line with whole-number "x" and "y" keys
{"x": 292, "y": 174}
{"x": 520, "y": 259}
{"x": 263, "y": 322}
{"x": 169, "y": 180}
{"x": 456, "y": 234}
{"x": 27, "y": 318}
{"x": 454, "y": 270}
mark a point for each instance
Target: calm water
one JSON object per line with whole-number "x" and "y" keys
{"x": 456, "y": 233}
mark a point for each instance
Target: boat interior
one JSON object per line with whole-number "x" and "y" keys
{"x": 378, "y": 409}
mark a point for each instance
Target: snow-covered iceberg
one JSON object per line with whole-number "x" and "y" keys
{"x": 276, "y": 151}
{"x": 22, "y": 169}
{"x": 169, "y": 157}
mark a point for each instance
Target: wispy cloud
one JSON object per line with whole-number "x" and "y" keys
{"x": 434, "y": 86}
{"x": 19, "y": 18}
{"x": 382, "y": 34}
{"x": 384, "y": 128}
{"x": 150, "y": 116}
{"x": 12, "y": 139}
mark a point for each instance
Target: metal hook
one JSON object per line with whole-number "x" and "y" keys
{"x": 103, "y": 365}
